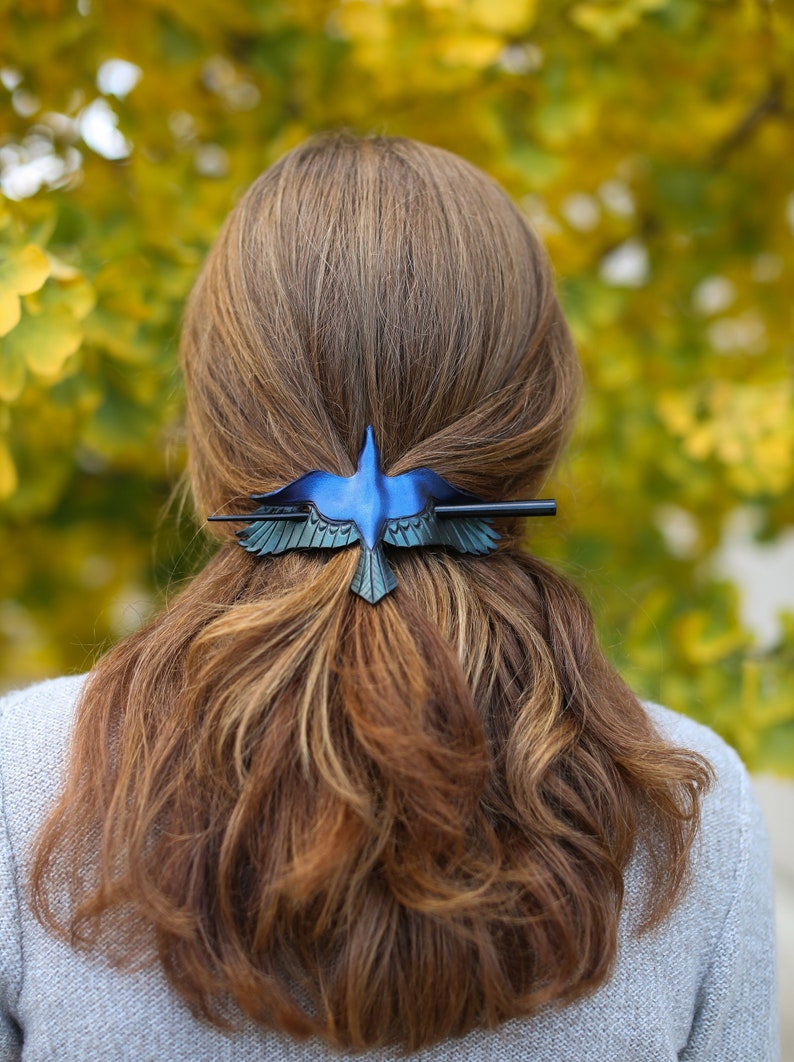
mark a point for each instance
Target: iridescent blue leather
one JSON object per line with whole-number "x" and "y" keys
{"x": 369, "y": 498}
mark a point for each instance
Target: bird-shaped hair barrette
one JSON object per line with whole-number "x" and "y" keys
{"x": 419, "y": 508}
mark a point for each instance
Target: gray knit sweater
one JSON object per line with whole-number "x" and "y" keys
{"x": 702, "y": 986}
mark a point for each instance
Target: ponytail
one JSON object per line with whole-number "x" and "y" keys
{"x": 377, "y": 825}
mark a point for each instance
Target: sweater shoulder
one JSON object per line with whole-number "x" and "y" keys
{"x": 732, "y": 837}
{"x": 729, "y": 813}
{"x": 35, "y": 729}
{"x": 683, "y": 732}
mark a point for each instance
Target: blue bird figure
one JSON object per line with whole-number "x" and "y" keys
{"x": 322, "y": 511}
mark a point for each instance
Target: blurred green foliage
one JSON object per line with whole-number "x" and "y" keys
{"x": 649, "y": 141}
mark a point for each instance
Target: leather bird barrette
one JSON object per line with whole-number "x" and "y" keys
{"x": 320, "y": 510}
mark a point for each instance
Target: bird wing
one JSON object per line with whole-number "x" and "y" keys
{"x": 466, "y": 534}
{"x": 277, "y": 536}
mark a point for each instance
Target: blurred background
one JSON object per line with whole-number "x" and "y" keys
{"x": 650, "y": 142}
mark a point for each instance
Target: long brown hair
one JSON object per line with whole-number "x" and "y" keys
{"x": 378, "y": 824}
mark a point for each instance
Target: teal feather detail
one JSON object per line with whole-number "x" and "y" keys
{"x": 465, "y": 534}
{"x": 374, "y": 578}
{"x": 313, "y": 532}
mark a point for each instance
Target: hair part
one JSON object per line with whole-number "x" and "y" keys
{"x": 377, "y": 825}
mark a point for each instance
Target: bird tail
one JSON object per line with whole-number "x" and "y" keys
{"x": 374, "y": 578}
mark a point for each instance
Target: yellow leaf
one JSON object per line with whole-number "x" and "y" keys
{"x": 675, "y": 410}
{"x": 605, "y": 23}
{"x": 609, "y": 19}
{"x": 23, "y": 269}
{"x": 475, "y": 50}
{"x": 773, "y": 456}
{"x": 76, "y": 296}
{"x": 8, "y": 472}
{"x": 504, "y": 16}
{"x": 731, "y": 450}
{"x": 45, "y": 341}
{"x": 80, "y": 297}
{"x": 699, "y": 443}
{"x": 10, "y": 311}
{"x": 364, "y": 21}
{"x": 702, "y": 645}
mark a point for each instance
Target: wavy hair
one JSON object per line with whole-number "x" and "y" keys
{"x": 377, "y": 825}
